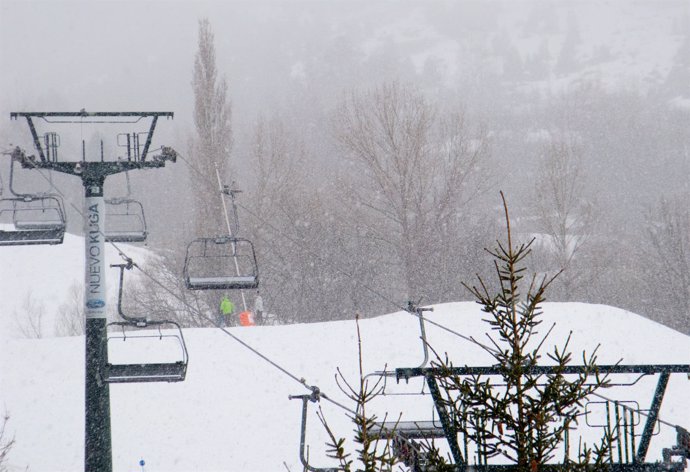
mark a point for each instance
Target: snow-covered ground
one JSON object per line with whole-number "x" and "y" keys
{"x": 233, "y": 411}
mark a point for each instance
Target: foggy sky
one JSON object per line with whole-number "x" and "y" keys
{"x": 115, "y": 55}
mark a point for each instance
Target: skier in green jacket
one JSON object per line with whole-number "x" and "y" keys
{"x": 226, "y": 310}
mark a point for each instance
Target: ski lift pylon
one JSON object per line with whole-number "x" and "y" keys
{"x": 221, "y": 263}
{"x": 144, "y": 372}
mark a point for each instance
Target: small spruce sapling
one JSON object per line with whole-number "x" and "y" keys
{"x": 525, "y": 418}
{"x": 373, "y": 453}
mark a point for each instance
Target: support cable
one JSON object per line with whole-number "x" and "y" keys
{"x": 300, "y": 380}
{"x": 470, "y": 339}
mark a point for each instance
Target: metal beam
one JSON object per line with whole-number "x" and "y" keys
{"x": 93, "y": 170}
{"x": 407, "y": 373}
{"x": 66, "y": 114}
{"x": 148, "y": 138}
{"x": 37, "y": 141}
{"x": 446, "y": 423}
{"x": 652, "y": 418}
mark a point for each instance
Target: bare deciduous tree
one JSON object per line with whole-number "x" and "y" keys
{"x": 415, "y": 171}
{"x": 667, "y": 263}
{"x": 29, "y": 321}
{"x": 70, "y": 319}
{"x": 154, "y": 299}
{"x": 565, "y": 215}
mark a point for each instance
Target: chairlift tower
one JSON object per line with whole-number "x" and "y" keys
{"x": 93, "y": 172}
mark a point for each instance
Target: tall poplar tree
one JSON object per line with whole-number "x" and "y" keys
{"x": 212, "y": 143}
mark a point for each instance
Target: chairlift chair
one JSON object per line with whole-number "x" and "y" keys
{"x": 124, "y": 221}
{"x": 146, "y": 372}
{"x": 31, "y": 218}
{"x": 131, "y": 328}
{"x": 221, "y": 263}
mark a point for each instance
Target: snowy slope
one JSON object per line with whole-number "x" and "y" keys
{"x": 233, "y": 411}
{"x": 44, "y": 274}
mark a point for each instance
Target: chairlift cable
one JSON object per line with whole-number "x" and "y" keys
{"x": 301, "y": 381}
{"x": 377, "y": 293}
{"x": 365, "y": 286}
{"x": 193, "y": 309}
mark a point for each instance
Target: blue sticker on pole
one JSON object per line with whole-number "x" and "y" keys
{"x": 94, "y": 304}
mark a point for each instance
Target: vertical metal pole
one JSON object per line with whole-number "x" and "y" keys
{"x": 227, "y": 223}
{"x": 619, "y": 441}
{"x": 98, "y": 446}
{"x": 608, "y": 428}
{"x": 632, "y": 431}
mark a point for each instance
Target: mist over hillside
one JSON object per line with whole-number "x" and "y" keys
{"x": 603, "y": 85}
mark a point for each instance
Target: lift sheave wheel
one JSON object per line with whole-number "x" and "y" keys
{"x": 221, "y": 263}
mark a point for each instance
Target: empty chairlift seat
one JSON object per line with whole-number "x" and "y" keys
{"x": 430, "y": 429}
{"x": 221, "y": 263}
{"x": 35, "y": 219}
{"x": 161, "y": 342}
{"x": 124, "y": 221}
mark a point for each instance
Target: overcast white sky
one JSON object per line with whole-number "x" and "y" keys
{"x": 138, "y": 55}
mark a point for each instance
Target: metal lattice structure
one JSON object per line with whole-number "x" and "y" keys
{"x": 632, "y": 444}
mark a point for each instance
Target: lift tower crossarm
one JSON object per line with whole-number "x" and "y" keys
{"x": 407, "y": 373}
{"x": 431, "y": 374}
{"x": 90, "y": 119}
{"x": 66, "y": 114}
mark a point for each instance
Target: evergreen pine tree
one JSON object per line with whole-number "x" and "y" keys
{"x": 524, "y": 416}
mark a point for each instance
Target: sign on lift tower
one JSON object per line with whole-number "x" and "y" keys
{"x": 93, "y": 165}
